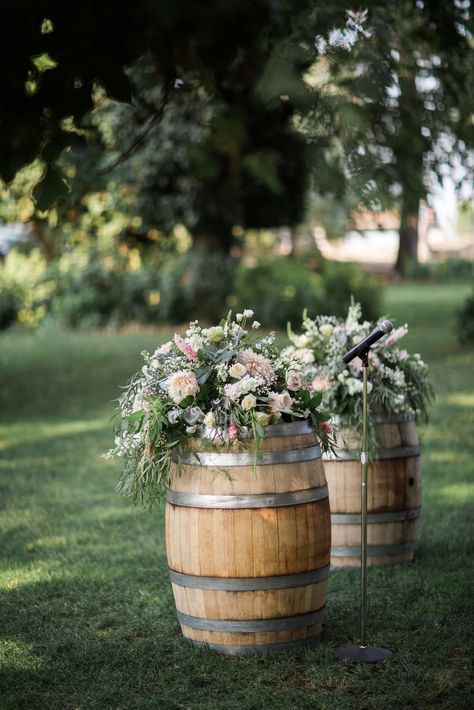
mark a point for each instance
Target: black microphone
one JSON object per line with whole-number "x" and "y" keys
{"x": 382, "y": 329}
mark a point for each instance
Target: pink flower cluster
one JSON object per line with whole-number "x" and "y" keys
{"x": 185, "y": 347}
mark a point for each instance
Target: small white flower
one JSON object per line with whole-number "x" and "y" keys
{"x": 239, "y": 317}
{"x": 256, "y": 324}
{"x": 248, "y": 313}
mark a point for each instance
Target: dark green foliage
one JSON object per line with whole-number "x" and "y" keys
{"x": 279, "y": 290}
{"x": 96, "y": 296}
{"x": 195, "y": 285}
{"x": 465, "y": 321}
{"x": 10, "y": 304}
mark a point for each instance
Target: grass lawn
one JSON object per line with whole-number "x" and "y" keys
{"x": 87, "y": 617}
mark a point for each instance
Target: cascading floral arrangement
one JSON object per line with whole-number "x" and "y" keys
{"x": 397, "y": 380}
{"x": 222, "y": 383}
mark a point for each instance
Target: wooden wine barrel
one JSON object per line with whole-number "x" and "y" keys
{"x": 248, "y": 545}
{"x": 394, "y": 495}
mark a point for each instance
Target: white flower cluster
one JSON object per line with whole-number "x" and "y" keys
{"x": 397, "y": 380}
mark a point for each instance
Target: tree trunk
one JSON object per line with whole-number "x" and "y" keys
{"x": 408, "y": 247}
{"x": 409, "y": 152}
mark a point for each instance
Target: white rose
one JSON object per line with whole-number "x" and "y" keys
{"x": 293, "y": 380}
{"x": 301, "y": 341}
{"x": 215, "y": 334}
{"x": 326, "y": 330}
{"x": 256, "y": 324}
{"x": 248, "y": 313}
{"x": 237, "y": 370}
{"x": 262, "y": 418}
{"x": 248, "y": 402}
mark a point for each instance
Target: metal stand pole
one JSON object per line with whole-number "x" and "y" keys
{"x": 363, "y": 653}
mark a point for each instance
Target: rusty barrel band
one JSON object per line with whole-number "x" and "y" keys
{"x": 249, "y": 584}
{"x": 270, "y": 431}
{"x": 396, "y": 452}
{"x": 262, "y": 458}
{"x": 374, "y": 550}
{"x": 251, "y": 625}
{"x": 258, "y": 500}
{"x": 395, "y": 516}
{"x": 248, "y": 648}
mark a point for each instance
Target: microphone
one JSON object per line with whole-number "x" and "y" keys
{"x": 382, "y": 329}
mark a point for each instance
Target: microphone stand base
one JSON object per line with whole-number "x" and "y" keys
{"x": 362, "y": 654}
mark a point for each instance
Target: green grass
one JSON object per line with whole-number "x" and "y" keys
{"x": 86, "y": 611}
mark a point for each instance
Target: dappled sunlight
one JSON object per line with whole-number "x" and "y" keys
{"x": 16, "y": 654}
{"x": 39, "y": 431}
{"x": 457, "y": 492}
{"x": 458, "y": 399}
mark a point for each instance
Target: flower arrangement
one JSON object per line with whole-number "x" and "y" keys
{"x": 222, "y": 383}
{"x": 397, "y": 380}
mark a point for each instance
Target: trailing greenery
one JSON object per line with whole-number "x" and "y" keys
{"x": 88, "y": 618}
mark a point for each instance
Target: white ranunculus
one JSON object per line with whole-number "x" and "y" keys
{"x": 248, "y": 402}
{"x": 215, "y": 334}
{"x": 237, "y": 370}
{"x": 301, "y": 341}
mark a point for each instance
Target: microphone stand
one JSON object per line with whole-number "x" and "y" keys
{"x": 363, "y": 653}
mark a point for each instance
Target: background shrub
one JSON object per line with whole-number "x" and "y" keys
{"x": 279, "y": 290}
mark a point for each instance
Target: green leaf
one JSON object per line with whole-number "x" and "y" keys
{"x": 186, "y": 402}
{"x": 135, "y": 416}
{"x": 49, "y": 189}
{"x": 316, "y": 400}
{"x": 54, "y": 147}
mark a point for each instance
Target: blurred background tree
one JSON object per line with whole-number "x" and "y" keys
{"x": 149, "y": 142}
{"x": 398, "y": 83}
